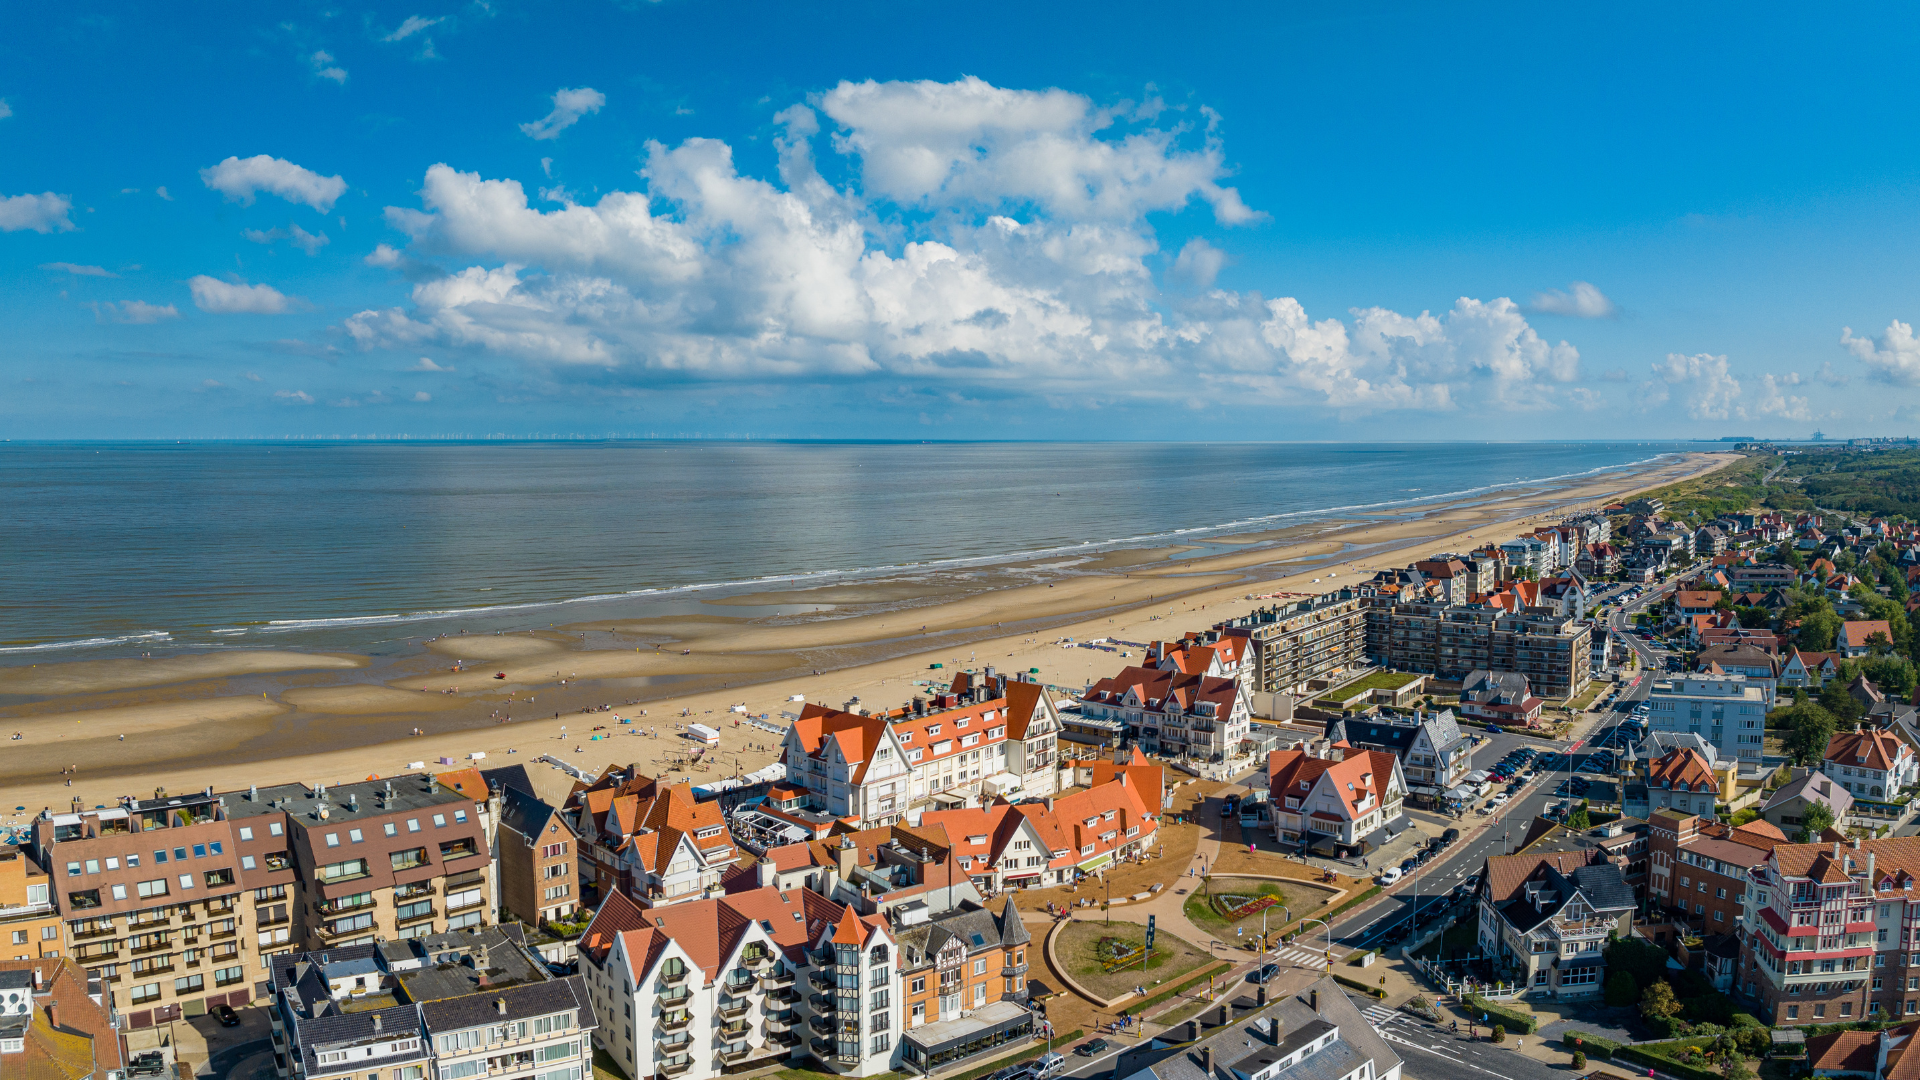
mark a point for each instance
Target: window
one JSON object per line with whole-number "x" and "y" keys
{"x": 439, "y": 821}
{"x": 227, "y": 976}
{"x": 458, "y": 849}
{"x": 880, "y": 1042}
{"x": 246, "y": 832}
{"x": 341, "y": 871}
{"x": 354, "y": 835}
{"x": 407, "y": 860}
{"x": 119, "y": 892}
{"x": 146, "y": 992}
{"x": 413, "y": 824}
{"x": 149, "y": 889}
{"x": 920, "y": 986}
{"x": 460, "y": 817}
{"x": 190, "y": 984}
{"x": 391, "y": 829}
{"x": 333, "y": 839}
{"x": 980, "y": 967}
{"x": 186, "y": 882}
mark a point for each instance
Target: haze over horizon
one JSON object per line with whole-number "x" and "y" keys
{"x": 909, "y": 221}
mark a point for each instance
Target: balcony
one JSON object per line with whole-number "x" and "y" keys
{"x": 822, "y": 1003}
{"x": 784, "y": 1038}
{"x": 426, "y": 912}
{"x": 104, "y": 951}
{"x": 822, "y": 1048}
{"x": 736, "y": 1053}
{"x": 328, "y": 933}
{"x": 678, "y": 1043}
{"x": 151, "y": 946}
{"x": 820, "y": 1025}
{"x": 1009, "y": 970}
{"x": 676, "y": 999}
{"x": 780, "y": 1021}
{"x": 821, "y": 979}
{"x": 98, "y": 931}
{"x": 216, "y": 935}
{"x": 785, "y": 995}
{"x": 757, "y": 961}
{"x": 736, "y": 987}
{"x": 735, "y": 1032}
{"x": 676, "y": 1021}
{"x": 733, "y": 1008}
{"x": 673, "y": 978}
{"x": 466, "y": 904}
{"x": 675, "y": 1068}
{"x": 774, "y": 979}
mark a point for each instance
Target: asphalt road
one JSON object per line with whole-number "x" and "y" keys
{"x": 1434, "y": 1052}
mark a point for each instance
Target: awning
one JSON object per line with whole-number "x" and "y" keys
{"x": 1476, "y": 777}
{"x": 1459, "y": 793}
{"x": 1001, "y": 1016}
{"x": 1323, "y": 847}
{"x": 1096, "y": 862}
{"x": 1424, "y": 789}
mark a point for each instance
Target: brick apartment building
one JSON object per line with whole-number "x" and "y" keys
{"x": 29, "y": 925}
{"x": 1294, "y": 644}
{"x": 1454, "y": 640}
{"x": 150, "y": 891}
{"x": 1698, "y": 871}
{"x": 537, "y": 852}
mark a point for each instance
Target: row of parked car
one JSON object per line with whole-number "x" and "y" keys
{"x": 1433, "y": 847}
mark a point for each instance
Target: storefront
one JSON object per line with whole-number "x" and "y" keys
{"x": 937, "y": 1046}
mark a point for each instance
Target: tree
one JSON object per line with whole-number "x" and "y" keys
{"x": 1753, "y": 617}
{"x": 1844, "y": 708}
{"x": 1579, "y": 821}
{"x": 1809, "y": 728}
{"x": 1644, "y": 961}
{"x": 1621, "y": 989}
{"x": 1817, "y": 819}
{"x": 1499, "y": 1033}
{"x": 1818, "y": 629}
{"x": 1790, "y": 555}
{"x": 1658, "y": 1001}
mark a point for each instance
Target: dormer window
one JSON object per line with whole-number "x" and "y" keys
{"x": 932, "y": 730}
{"x": 906, "y": 737}
{"x": 962, "y": 722}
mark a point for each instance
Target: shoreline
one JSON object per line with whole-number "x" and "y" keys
{"x": 867, "y": 638}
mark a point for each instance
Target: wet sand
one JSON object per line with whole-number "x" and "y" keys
{"x": 330, "y": 717}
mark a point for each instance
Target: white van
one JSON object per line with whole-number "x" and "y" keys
{"x": 1388, "y": 876}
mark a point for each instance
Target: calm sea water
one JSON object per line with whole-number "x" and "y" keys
{"x": 117, "y": 547}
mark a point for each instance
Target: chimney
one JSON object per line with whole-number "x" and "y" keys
{"x": 500, "y": 1006}
{"x": 76, "y": 804}
{"x": 53, "y": 1013}
{"x": 1260, "y": 997}
{"x": 1223, "y": 1017}
{"x": 253, "y": 793}
{"x": 353, "y": 800}
{"x": 1313, "y": 1000}
{"x": 1206, "y": 1061}
{"x": 767, "y": 872}
{"x": 1193, "y": 1031}
{"x": 433, "y": 784}
{"x": 845, "y": 856}
{"x": 376, "y": 1023}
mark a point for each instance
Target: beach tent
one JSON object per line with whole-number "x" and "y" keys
{"x": 703, "y": 733}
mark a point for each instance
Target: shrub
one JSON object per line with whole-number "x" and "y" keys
{"x": 1579, "y": 1060}
{"x": 1590, "y": 1044}
{"x": 1499, "y": 1033}
{"x": 1621, "y": 989}
{"x": 1486, "y": 1012}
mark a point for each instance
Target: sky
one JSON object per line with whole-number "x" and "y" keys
{"x": 1351, "y": 221}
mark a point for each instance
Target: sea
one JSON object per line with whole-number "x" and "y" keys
{"x": 125, "y": 548}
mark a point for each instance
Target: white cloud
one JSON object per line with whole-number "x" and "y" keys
{"x": 427, "y": 364}
{"x": 1893, "y": 358}
{"x": 1831, "y": 375}
{"x": 422, "y": 395}
{"x": 1199, "y": 262}
{"x": 1582, "y": 300}
{"x": 322, "y": 65}
{"x": 1775, "y": 401}
{"x": 162, "y": 192}
{"x": 238, "y": 180}
{"x": 43, "y": 213}
{"x": 251, "y": 377}
{"x": 299, "y": 237}
{"x": 138, "y": 312}
{"x": 1586, "y": 400}
{"x": 943, "y": 144}
{"x": 78, "y": 270}
{"x": 225, "y": 298}
{"x": 568, "y": 107}
{"x": 1711, "y": 391}
{"x": 300, "y": 396}
{"x": 413, "y": 25}
{"x": 6, "y": 110}
{"x": 1002, "y": 277}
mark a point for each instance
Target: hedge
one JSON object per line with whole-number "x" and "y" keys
{"x": 1180, "y": 988}
{"x": 1594, "y": 1045}
{"x": 1367, "y": 894}
{"x": 1518, "y": 1023}
{"x": 1360, "y": 986}
{"x": 1666, "y": 1064}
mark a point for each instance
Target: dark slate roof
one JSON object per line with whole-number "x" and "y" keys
{"x": 356, "y": 1029}
{"x": 454, "y": 968}
{"x": 1246, "y": 1045}
{"x": 509, "y": 778}
{"x": 977, "y": 928}
{"x": 1373, "y": 734}
{"x": 522, "y": 1003}
{"x": 525, "y": 814}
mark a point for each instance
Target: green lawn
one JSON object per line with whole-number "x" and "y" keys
{"x": 1211, "y": 904}
{"x": 1084, "y": 948}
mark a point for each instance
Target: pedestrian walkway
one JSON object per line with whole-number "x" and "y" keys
{"x": 1377, "y": 1014}
{"x": 1303, "y": 957}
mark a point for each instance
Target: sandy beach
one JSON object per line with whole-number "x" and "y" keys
{"x": 269, "y": 716}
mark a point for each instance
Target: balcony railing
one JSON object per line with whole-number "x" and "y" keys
{"x": 675, "y": 1068}
{"x": 466, "y": 904}
{"x": 152, "y": 946}
{"x": 784, "y": 1038}
{"x": 675, "y": 999}
{"x": 673, "y": 978}
{"x": 735, "y": 1031}
{"x": 822, "y": 1047}
{"x": 785, "y": 995}
{"x": 820, "y": 1024}
{"x": 821, "y": 979}
{"x": 98, "y": 931}
{"x": 732, "y": 1009}
{"x": 780, "y": 1021}
{"x": 677, "y": 1043}
{"x": 756, "y": 961}
{"x": 773, "y": 979}
{"x": 739, "y": 986}
{"x": 415, "y": 917}
{"x": 676, "y": 1021}
{"x": 822, "y": 1003}
{"x": 738, "y": 1053}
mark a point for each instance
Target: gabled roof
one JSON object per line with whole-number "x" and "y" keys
{"x": 1863, "y": 749}
{"x": 1681, "y": 769}
{"x": 527, "y": 815}
{"x": 1816, "y": 786}
{"x": 855, "y": 736}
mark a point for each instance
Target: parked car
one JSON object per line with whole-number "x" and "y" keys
{"x": 225, "y": 1014}
{"x": 1389, "y": 876}
{"x": 1409, "y": 865}
{"x": 1450, "y": 835}
{"x": 1263, "y": 974}
{"x": 1048, "y": 1065}
{"x": 1091, "y": 1047}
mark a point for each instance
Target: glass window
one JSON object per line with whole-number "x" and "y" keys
{"x": 413, "y": 824}
{"x": 93, "y": 866}
{"x": 180, "y": 854}
{"x": 246, "y": 832}
{"x": 273, "y": 828}
{"x": 186, "y": 881}
{"x": 333, "y": 839}
{"x": 392, "y": 829}
{"x": 460, "y": 816}
{"x": 213, "y": 846}
{"x": 439, "y": 821}
{"x": 113, "y": 864}
{"x": 354, "y": 835}
{"x": 133, "y": 860}
{"x": 246, "y": 862}
{"x": 199, "y": 851}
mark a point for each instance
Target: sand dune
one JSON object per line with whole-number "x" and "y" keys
{"x": 95, "y": 676}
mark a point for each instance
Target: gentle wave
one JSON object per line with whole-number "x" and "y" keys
{"x": 91, "y": 643}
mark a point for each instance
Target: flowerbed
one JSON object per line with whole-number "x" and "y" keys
{"x": 1252, "y": 907}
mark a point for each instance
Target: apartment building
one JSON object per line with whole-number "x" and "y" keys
{"x": 1681, "y": 781}
{"x": 1004, "y": 846}
{"x": 1438, "y": 760}
{"x": 1186, "y": 716}
{"x": 714, "y": 986}
{"x": 447, "y": 1006}
{"x": 1726, "y": 710}
{"x": 1199, "y": 654}
{"x": 1699, "y": 871}
{"x": 873, "y": 870}
{"x": 1454, "y": 640}
{"x": 1334, "y": 805}
{"x": 151, "y": 895}
{"x": 964, "y": 974}
{"x": 538, "y": 854}
{"x": 1550, "y": 915}
{"x": 29, "y": 925}
{"x": 1291, "y": 645}
{"x": 393, "y": 859}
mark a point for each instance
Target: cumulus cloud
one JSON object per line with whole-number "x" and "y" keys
{"x": 1706, "y": 383}
{"x": 1199, "y": 262}
{"x": 42, "y": 213}
{"x": 568, "y": 107}
{"x": 1022, "y": 256}
{"x": 227, "y": 298}
{"x": 1894, "y": 357}
{"x": 300, "y": 396}
{"x": 320, "y": 62}
{"x": 294, "y": 234}
{"x": 138, "y": 312}
{"x": 413, "y": 25}
{"x": 422, "y": 395}
{"x": 427, "y": 364}
{"x": 1831, "y": 375}
{"x": 1775, "y": 401}
{"x": 6, "y": 110}
{"x": 78, "y": 270}
{"x": 1582, "y": 300}
{"x": 238, "y": 180}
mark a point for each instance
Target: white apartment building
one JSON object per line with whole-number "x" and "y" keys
{"x": 1727, "y": 710}
{"x": 1871, "y": 764}
{"x": 695, "y": 989}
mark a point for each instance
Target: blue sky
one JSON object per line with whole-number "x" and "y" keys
{"x": 956, "y": 221}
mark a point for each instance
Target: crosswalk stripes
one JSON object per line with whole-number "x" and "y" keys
{"x": 1377, "y": 1014}
{"x": 1303, "y": 957}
